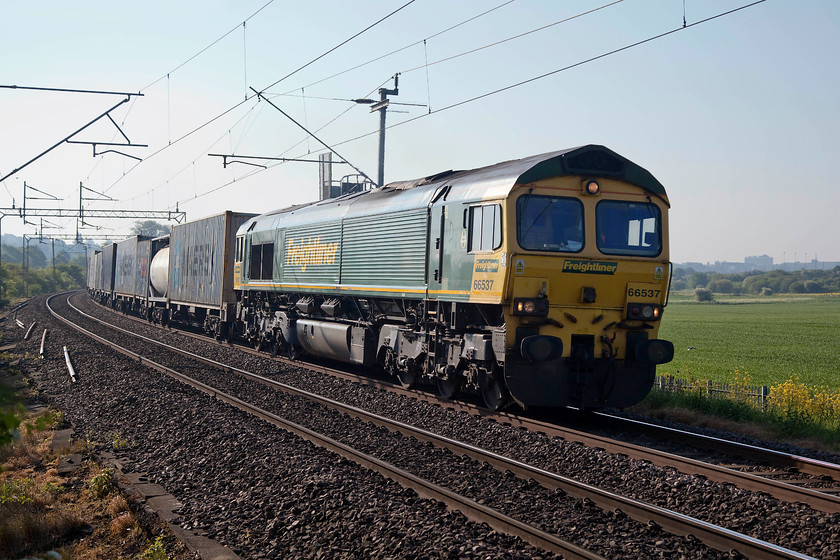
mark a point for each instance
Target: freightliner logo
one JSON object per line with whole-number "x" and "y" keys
{"x": 590, "y": 267}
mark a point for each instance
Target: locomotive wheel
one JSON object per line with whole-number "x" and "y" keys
{"x": 492, "y": 391}
{"x": 407, "y": 378}
{"x": 449, "y": 388}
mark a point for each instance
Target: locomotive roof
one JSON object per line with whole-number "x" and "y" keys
{"x": 592, "y": 159}
{"x": 485, "y": 182}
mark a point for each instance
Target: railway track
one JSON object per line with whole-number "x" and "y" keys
{"x": 680, "y": 524}
{"x": 785, "y": 476}
{"x": 425, "y": 488}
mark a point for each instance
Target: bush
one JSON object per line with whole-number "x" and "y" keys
{"x": 703, "y": 294}
{"x": 722, "y": 286}
{"x": 102, "y": 484}
{"x": 812, "y": 287}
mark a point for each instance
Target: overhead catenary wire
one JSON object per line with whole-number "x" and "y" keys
{"x": 247, "y": 98}
{"x": 208, "y": 47}
{"x": 203, "y": 153}
{"x": 518, "y": 84}
{"x": 359, "y": 171}
{"x": 557, "y": 71}
{"x": 414, "y": 44}
{"x": 338, "y": 46}
{"x": 514, "y": 37}
{"x": 203, "y": 50}
{"x": 256, "y": 171}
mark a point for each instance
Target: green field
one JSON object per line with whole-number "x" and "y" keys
{"x": 773, "y": 338}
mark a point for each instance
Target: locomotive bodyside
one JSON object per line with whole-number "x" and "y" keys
{"x": 463, "y": 279}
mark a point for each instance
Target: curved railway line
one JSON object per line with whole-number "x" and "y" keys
{"x": 785, "y": 476}
{"x": 535, "y": 485}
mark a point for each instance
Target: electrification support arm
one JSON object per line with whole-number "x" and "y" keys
{"x": 226, "y": 161}
{"x": 68, "y": 137}
{"x": 285, "y": 114}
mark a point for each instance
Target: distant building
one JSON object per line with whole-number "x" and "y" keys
{"x": 759, "y": 263}
{"x": 763, "y": 263}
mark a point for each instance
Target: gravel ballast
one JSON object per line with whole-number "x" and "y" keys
{"x": 263, "y": 492}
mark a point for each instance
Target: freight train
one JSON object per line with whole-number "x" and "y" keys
{"x": 540, "y": 281}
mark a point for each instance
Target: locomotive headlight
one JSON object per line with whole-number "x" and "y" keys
{"x": 644, "y": 311}
{"x": 655, "y": 351}
{"x": 530, "y": 306}
{"x": 592, "y": 187}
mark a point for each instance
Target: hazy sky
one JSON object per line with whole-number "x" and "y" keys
{"x": 738, "y": 117}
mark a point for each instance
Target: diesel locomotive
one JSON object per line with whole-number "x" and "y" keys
{"x": 539, "y": 281}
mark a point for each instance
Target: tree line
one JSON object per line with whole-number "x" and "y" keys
{"x": 758, "y": 282}
{"x": 37, "y": 281}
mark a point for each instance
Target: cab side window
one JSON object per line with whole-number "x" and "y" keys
{"x": 262, "y": 261}
{"x": 240, "y": 242}
{"x": 485, "y": 228}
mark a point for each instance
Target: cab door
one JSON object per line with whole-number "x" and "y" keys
{"x": 238, "y": 258}
{"x": 435, "y": 272}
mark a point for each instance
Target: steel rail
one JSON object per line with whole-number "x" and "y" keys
{"x": 815, "y": 499}
{"x": 805, "y": 465}
{"x": 754, "y": 483}
{"x": 712, "y": 535}
{"x": 471, "y": 509}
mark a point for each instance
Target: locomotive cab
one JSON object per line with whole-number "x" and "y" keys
{"x": 586, "y": 291}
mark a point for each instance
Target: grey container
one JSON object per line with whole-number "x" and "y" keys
{"x": 128, "y": 279}
{"x": 93, "y": 270}
{"x": 109, "y": 265}
{"x": 141, "y": 277}
{"x": 201, "y": 261}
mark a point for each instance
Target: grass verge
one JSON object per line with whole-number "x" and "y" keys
{"x": 793, "y": 413}
{"x": 78, "y": 516}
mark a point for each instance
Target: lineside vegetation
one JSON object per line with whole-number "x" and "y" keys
{"x": 789, "y": 343}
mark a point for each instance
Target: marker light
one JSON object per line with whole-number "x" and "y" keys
{"x": 592, "y": 187}
{"x": 530, "y": 306}
{"x": 644, "y": 311}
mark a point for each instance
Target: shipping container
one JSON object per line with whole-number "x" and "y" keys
{"x": 97, "y": 271}
{"x": 93, "y": 270}
{"x": 127, "y": 275}
{"x": 201, "y": 261}
{"x": 141, "y": 279}
{"x": 109, "y": 265}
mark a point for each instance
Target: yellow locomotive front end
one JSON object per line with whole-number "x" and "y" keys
{"x": 586, "y": 287}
